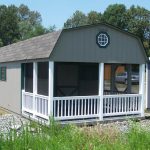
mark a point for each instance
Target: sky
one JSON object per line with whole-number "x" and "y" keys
{"x": 56, "y": 12}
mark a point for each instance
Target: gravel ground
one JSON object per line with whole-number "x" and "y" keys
{"x": 11, "y": 121}
{"x": 123, "y": 126}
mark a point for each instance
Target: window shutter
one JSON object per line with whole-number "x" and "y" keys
{"x": 4, "y": 73}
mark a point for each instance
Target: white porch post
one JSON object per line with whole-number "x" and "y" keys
{"x": 141, "y": 86}
{"x": 101, "y": 87}
{"x": 34, "y": 86}
{"x": 51, "y": 83}
{"x": 146, "y": 96}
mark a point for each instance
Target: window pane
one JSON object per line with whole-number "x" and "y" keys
{"x": 29, "y": 77}
{"x": 42, "y": 78}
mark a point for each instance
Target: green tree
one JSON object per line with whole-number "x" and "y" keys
{"x": 9, "y": 29}
{"x": 29, "y": 22}
{"x": 20, "y": 23}
{"x": 78, "y": 19}
{"x": 138, "y": 19}
{"x": 115, "y": 15}
{"x": 39, "y": 30}
{"x": 94, "y": 17}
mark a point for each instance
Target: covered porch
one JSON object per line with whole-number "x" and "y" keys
{"x": 77, "y": 91}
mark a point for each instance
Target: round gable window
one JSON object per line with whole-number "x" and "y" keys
{"x": 102, "y": 39}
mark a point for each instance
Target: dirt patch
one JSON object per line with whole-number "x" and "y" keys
{"x": 3, "y": 111}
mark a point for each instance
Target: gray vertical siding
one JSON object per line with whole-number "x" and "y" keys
{"x": 79, "y": 45}
{"x": 10, "y": 90}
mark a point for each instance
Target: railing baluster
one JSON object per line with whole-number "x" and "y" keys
{"x": 65, "y": 108}
{"x": 139, "y": 103}
{"x": 103, "y": 105}
{"x": 38, "y": 104}
{"x": 111, "y": 105}
{"x": 119, "y": 105}
{"x": 94, "y": 105}
{"x": 78, "y": 107}
{"x": 108, "y": 105}
{"x": 75, "y": 107}
{"x": 54, "y": 103}
{"x": 135, "y": 103}
{"x": 68, "y": 107}
{"x": 61, "y": 108}
{"x": 132, "y": 103}
{"x": 125, "y": 102}
{"x": 45, "y": 107}
{"x": 115, "y": 104}
{"x": 88, "y": 106}
{"x": 114, "y": 101}
{"x": 84, "y": 106}
{"x": 42, "y": 106}
{"x": 58, "y": 109}
{"x": 72, "y": 107}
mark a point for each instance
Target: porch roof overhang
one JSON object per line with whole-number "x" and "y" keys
{"x": 78, "y": 45}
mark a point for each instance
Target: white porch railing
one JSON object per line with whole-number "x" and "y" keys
{"x": 36, "y": 105}
{"x": 27, "y": 102}
{"x": 76, "y": 107}
{"x": 81, "y": 107}
{"x": 115, "y": 105}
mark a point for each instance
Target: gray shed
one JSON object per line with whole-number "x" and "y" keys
{"x": 90, "y": 72}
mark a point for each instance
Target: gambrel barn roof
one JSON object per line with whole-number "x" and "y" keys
{"x": 78, "y": 45}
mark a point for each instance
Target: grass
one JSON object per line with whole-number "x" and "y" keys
{"x": 69, "y": 137}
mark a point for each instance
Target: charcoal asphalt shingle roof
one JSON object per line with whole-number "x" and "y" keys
{"x": 35, "y": 48}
